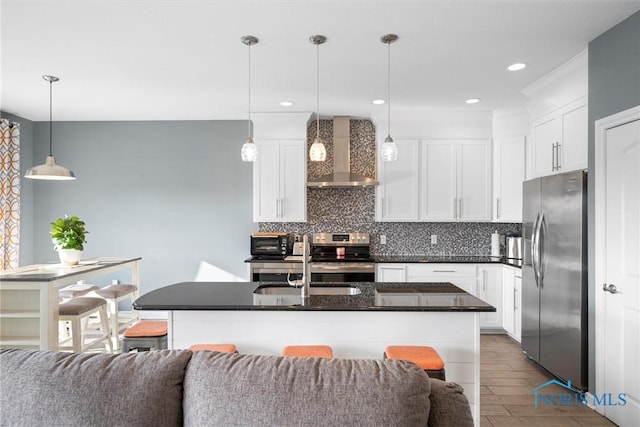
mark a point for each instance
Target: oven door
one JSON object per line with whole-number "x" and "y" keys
{"x": 342, "y": 272}
{"x": 275, "y": 271}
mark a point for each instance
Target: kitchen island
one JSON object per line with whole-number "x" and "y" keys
{"x": 355, "y": 326}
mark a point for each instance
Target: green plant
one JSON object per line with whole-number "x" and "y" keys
{"x": 68, "y": 233}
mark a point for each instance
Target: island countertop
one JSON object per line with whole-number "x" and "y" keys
{"x": 240, "y": 296}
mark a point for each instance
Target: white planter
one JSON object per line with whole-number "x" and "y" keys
{"x": 70, "y": 256}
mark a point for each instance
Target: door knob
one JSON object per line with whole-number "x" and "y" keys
{"x": 610, "y": 288}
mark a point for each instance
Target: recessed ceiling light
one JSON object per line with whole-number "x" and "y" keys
{"x": 472, "y": 100}
{"x": 517, "y": 66}
{"x": 378, "y": 101}
{"x": 286, "y": 103}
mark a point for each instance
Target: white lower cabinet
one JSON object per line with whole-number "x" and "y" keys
{"x": 512, "y": 301}
{"x": 496, "y": 284}
{"x": 490, "y": 291}
{"x": 461, "y": 275}
{"x": 391, "y": 272}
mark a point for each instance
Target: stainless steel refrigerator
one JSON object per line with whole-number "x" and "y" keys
{"x": 554, "y": 275}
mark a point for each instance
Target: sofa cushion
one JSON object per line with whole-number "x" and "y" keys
{"x": 232, "y": 389}
{"x": 449, "y": 406}
{"x": 79, "y": 389}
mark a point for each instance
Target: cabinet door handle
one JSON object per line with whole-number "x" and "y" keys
{"x": 282, "y": 207}
{"x": 484, "y": 281}
{"x": 553, "y": 156}
{"x": 460, "y": 208}
{"x": 382, "y": 207}
{"x": 444, "y": 271}
{"x": 498, "y": 208}
{"x": 558, "y": 167}
{"x": 455, "y": 208}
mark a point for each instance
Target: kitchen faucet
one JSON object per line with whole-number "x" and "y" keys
{"x": 305, "y": 282}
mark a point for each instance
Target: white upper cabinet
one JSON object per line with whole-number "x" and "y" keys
{"x": 560, "y": 140}
{"x": 398, "y": 192}
{"x": 456, "y": 180}
{"x": 508, "y": 174}
{"x": 437, "y": 181}
{"x": 474, "y": 180}
{"x": 279, "y": 182}
{"x": 559, "y": 119}
{"x": 439, "y": 189}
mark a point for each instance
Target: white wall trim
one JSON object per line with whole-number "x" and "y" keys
{"x": 601, "y": 128}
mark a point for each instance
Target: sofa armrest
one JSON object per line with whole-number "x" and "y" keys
{"x": 449, "y": 406}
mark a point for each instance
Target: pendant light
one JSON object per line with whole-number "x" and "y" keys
{"x": 50, "y": 170}
{"x": 249, "y": 151}
{"x": 389, "y": 149}
{"x": 317, "y": 153}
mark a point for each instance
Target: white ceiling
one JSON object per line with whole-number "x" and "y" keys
{"x": 183, "y": 60}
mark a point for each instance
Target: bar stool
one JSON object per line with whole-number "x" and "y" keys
{"x": 119, "y": 320}
{"x": 424, "y": 356}
{"x": 323, "y": 351}
{"x": 76, "y": 311}
{"x": 77, "y": 290}
{"x": 222, "y": 348}
{"x": 145, "y": 335}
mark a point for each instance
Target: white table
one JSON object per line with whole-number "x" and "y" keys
{"x": 29, "y": 298}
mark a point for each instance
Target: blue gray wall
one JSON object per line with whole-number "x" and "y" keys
{"x": 614, "y": 86}
{"x": 172, "y": 192}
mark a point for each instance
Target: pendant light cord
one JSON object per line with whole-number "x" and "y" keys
{"x": 249, "y": 123}
{"x": 50, "y": 118}
{"x": 317, "y": 90}
{"x": 389, "y": 87}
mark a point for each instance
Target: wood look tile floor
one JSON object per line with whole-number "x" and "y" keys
{"x": 507, "y": 378}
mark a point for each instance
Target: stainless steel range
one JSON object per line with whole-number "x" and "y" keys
{"x": 341, "y": 257}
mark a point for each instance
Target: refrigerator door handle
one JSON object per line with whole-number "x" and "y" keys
{"x": 534, "y": 249}
{"x": 542, "y": 225}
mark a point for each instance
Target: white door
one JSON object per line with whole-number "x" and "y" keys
{"x": 618, "y": 225}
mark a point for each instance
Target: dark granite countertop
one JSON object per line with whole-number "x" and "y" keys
{"x": 407, "y": 259}
{"x": 240, "y": 296}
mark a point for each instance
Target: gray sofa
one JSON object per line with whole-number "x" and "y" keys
{"x": 178, "y": 387}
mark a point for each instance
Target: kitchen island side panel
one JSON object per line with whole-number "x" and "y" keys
{"x": 360, "y": 335}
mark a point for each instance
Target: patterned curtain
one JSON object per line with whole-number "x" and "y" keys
{"x": 9, "y": 194}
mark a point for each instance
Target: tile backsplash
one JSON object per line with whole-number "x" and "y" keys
{"x": 343, "y": 210}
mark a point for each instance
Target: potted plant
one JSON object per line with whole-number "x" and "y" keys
{"x": 68, "y": 235}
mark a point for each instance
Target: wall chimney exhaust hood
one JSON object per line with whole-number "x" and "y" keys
{"x": 342, "y": 175}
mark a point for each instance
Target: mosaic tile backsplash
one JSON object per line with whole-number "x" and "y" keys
{"x": 344, "y": 210}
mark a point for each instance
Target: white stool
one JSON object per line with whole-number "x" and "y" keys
{"x": 119, "y": 320}
{"x": 76, "y": 311}
{"x": 78, "y": 290}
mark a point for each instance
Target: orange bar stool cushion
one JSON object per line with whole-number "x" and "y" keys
{"x": 308, "y": 351}
{"x": 222, "y": 348}
{"x": 425, "y": 357}
{"x": 147, "y": 328}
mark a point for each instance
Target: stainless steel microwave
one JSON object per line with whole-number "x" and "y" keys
{"x": 269, "y": 245}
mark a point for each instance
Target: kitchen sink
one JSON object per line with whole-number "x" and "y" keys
{"x": 314, "y": 290}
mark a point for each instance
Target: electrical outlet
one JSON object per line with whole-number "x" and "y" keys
{"x": 383, "y": 239}
{"x": 434, "y": 239}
